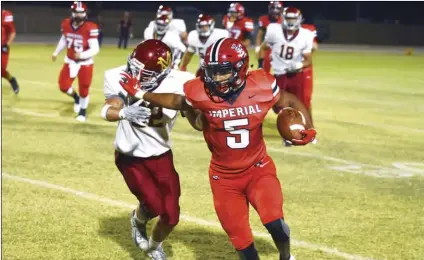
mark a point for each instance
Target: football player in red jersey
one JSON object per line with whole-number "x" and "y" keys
{"x": 275, "y": 8}
{"x": 240, "y": 27}
{"x": 8, "y": 34}
{"x": 79, "y": 36}
{"x": 231, "y": 104}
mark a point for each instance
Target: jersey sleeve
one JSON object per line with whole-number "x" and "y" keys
{"x": 148, "y": 32}
{"x": 181, "y": 26}
{"x": 270, "y": 35}
{"x": 261, "y": 23}
{"x": 111, "y": 87}
{"x": 93, "y": 31}
{"x": 249, "y": 25}
{"x": 309, "y": 43}
{"x": 275, "y": 92}
{"x": 191, "y": 42}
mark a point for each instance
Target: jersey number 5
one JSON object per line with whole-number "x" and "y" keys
{"x": 77, "y": 43}
{"x": 286, "y": 52}
{"x": 242, "y": 136}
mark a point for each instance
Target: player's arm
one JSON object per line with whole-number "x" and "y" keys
{"x": 59, "y": 47}
{"x": 194, "y": 117}
{"x": 93, "y": 44}
{"x": 307, "y": 59}
{"x": 11, "y": 32}
{"x": 265, "y": 46}
{"x": 184, "y": 36}
{"x": 248, "y": 33}
{"x": 259, "y": 39}
{"x": 186, "y": 59}
{"x": 289, "y": 100}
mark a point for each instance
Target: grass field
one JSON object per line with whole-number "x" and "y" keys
{"x": 358, "y": 194}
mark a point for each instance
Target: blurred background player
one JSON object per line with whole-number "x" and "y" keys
{"x": 240, "y": 27}
{"x": 101, "y": 26}
{"x": 143, "y": 147}
{"x": 160, "y": 31}
{"x": 275, "y": 9}
{"x": 79, "y": 36}
{"x": 308, "y": 77}
{"x": 175, "y": 24}
{"x": 124, "y": 30}
{"x": 200, "y": 39}
{"x": 231, "y": 105}
{"x": 8, "y": 34}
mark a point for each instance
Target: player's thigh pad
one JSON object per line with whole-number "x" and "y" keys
{"x": 4, "y": 62}
{"x": 65, "y": 80}
{"x": 231, "y": 207}
{"x": 168, "y": 182}
{"x": 264, "y": 191}
{"x": 140, "y": 182}
{"x": 85, "y": 76}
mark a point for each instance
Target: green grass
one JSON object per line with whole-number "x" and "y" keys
{"x": 368, "y": 112}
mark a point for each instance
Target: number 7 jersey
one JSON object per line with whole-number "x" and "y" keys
{"x": 233, "y": 132}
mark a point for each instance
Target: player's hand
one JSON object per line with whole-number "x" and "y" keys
{"x": 294, "y": 67}
{"x": 131, "y": 35}
{"x": 183, "y": 68}
{"x": 131, "y": 85}
{"x": 54, "y": 58}
{"x": 308, "y": 136}
{"x": 136, "y": 114}
{"x": 77, "y": 56}
{"x": 5, "y": 48}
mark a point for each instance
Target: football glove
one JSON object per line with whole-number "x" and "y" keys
{"x": 294, "y": 67}
{"x": 131, "y": 85}
{"x": 5, "y": 48}
{"x": 136, "y": 114}
{"x": 308, "y": 136}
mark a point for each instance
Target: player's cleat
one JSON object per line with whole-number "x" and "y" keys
{"x": 15, "y": 85}
{"x": 315, "y": 141}
{"x": 76, "y": 107}
{"x": 139, "y": 233}
{"x": 157, "y": 254}
{"x": 76, "y": 103}
{"x": 292, "y": 257}
{"x": 81, "y": 118}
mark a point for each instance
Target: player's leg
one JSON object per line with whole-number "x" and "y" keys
{"x": 5, "y": 74}
{"x": 265, "y": 195}
{"x": 141, "y": 183}
{"x": 282, "y": 84}
{"x": 126, "y": 37}
{"x": 232, "y": 209}
{"x": 307, "y": 88}
{"x": 168, "y": 182}
{"x": 85, "y": 77}
{"x": 65, "y": 85}
{"x": 267, "y": 61}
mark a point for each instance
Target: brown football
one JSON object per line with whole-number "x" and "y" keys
{"x": 289, "y": 123}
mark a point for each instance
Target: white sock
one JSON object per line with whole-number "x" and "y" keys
{"x": 70, "y": 91}
{"x": 84, "y": 102}
{"x": 153, "y": 244}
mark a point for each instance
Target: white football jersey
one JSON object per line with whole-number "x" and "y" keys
{"x": 287, "y": 50}
{"x": 176, "y": 25}
{"x": 171, "y": 38}
{"x": 152, "y": 140}
{"x": 198, "y": 47}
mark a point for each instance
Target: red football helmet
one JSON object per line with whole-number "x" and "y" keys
{"x": 150, "y": 62}
{"x": 165, "y": 10}
{"x": 162, "y": 24}
{"x": 292, "y": 18}
{"x": 236, "y": 9}
{"x": 205, "y": 25}
{"x": 275, "y": 8}
{"x": 225, "y": 56}
{"x": 79, "y": 12}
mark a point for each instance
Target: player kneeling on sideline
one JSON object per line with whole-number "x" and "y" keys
{"x": 230, "y": 105}
{"x": 143, "y": 149}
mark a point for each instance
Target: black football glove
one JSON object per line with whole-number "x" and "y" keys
{"x": 5, "y": 48}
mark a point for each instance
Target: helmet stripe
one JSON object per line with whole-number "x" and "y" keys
{"x": 215, "y": 47}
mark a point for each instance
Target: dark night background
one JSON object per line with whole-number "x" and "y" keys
{"x": 400, "y": 12}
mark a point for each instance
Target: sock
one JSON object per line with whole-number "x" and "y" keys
{"x": 82, "y": 112}
{"x": 153, "y": 244}
{"x": 83, "y": 101}
{"x": 141, "y": 215}
{"x": 249, "y": 253}
{"x": 8, "y": 76}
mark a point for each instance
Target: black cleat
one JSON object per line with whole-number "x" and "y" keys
{"x": 15, "y": 85}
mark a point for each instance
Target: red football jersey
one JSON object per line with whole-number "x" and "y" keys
{"x": 7, "y": 25}
{"x": 77, "y": 38}
{"x": 233, "y": 132}
{"x": 264, "y": 21}
{"x": 239, "y": 27}
{"x": 311, "y": 28}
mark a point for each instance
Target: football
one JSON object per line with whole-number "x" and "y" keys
{"x": 289, "y": 123}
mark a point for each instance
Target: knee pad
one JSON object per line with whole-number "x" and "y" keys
{"x": 279, "y": 230}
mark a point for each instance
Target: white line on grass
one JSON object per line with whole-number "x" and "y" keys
{"x": 199, "y": 221}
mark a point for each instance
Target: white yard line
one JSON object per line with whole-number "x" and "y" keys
{"x": 198, "y": 221}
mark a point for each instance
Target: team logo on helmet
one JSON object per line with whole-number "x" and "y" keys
{"x": 237, "y": 47}
{"x": 165, "y": 63}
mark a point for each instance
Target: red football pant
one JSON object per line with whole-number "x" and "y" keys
{"x": 4, "y": 62}
{"x": 155, "y": 182}
{"x": 258, "y": 186}
{"x": 294, "y": 84}
{"x": 308, "y": 83}
{"x": 267, "y": 61}
{"x": 85, "y": 76}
